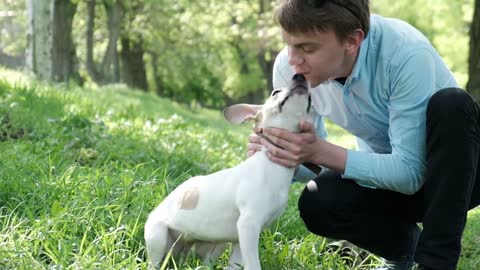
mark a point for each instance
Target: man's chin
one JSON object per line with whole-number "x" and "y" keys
{"x": 313, "y": 83}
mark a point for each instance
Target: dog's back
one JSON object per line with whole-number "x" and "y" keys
{"x": 207, "y": 207}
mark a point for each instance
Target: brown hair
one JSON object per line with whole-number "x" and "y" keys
{"x": 342, "y": 16}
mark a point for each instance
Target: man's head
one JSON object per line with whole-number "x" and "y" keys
{"x": 341, "y": 16}
{"x": 323, "y": 36}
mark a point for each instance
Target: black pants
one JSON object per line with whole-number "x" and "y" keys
{"x": 384, "y": 222}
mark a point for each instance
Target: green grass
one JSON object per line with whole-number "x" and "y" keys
{"x": 80, "y": 170}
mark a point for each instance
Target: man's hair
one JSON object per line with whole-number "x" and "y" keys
{"x": 341, "y": 16}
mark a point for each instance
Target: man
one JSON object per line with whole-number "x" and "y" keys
{"x": 418, "y": 134}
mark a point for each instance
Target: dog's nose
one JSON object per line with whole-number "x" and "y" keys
{"x": 298, "y": 77}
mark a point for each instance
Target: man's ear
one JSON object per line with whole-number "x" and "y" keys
{"x": 354, "y": 40}
{"x": 240, "y": 113}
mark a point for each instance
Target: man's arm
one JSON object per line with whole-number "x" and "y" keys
{"x": 411, "y": 85}
{"x": 402, "y": 170}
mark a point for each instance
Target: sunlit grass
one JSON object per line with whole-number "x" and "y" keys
{"x": 81, "y": 169}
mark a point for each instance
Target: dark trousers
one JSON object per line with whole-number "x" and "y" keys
{"x": 385, "y": 222}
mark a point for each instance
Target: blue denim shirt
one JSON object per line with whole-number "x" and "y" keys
{"x": 383, "y": 103}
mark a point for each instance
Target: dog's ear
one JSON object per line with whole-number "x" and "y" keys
{"x": 241, "y": 113}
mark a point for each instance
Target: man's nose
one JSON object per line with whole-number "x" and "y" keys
{"x": 293, "y": 58}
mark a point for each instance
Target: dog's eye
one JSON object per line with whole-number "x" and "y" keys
{"x": 276, "y": 91}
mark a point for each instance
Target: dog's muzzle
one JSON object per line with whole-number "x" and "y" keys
{"x": 299, "y": 85}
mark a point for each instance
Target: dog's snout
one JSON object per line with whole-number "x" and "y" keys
{"x": 299, "y": 77}
{"x": 299, "y": 84}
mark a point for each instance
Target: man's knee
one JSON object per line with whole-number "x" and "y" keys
{"x": 450, "y": 102}
{"x": 316, "y": 205}
{"x": 315, "y": 215}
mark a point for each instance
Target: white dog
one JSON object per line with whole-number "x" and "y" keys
{"x": 232, "y": 205}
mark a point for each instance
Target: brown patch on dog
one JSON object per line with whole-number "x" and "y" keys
{"x": 189, "y": 199}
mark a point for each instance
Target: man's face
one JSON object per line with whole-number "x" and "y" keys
{"x": 319, "y": 55}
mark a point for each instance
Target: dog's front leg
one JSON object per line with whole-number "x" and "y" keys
{"x": 248, "y": 235}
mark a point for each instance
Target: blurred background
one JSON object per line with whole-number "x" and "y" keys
{"x": 208, "y": 53}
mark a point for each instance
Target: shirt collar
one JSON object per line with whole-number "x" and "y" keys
{"x": 360, "y": 62}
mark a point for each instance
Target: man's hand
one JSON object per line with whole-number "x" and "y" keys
{"x": 254, "y": 142}
{"x": 293, "y": 148}
{"x": 298, "y": 148}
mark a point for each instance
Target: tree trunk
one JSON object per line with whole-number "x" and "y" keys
{"x": 255, "y": 96}
{"x": 51, "y": 52}
{"x": 473, "y": 85}
{"x": 159, "y": 89}
{"x": 133, "y": 64}
{"x": 90, "y": 64}
{"x": 266, "y": 64}
{"x": 110, "y": 63}
{"x": 63, "y": 54}
{"x": 39, "y": 38}
{"x": 265, "y": 55}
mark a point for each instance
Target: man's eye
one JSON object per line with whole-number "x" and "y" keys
{"x": 308, "y": 49}
{"x": 276, "y": 91}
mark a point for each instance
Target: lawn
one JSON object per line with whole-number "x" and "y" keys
{"x": 81, "y": 168}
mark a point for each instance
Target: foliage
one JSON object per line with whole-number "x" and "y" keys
{"x": 211, "y": 52}
{"x": 208, "y": 49}
{"x": 444, "y": 22}
{"x": 13, "y": 22}
{"x": 200, "y": 51}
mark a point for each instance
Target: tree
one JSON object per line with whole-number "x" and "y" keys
{"x": 51, "y": 51}
{"x": 212, "y": 52}
{"x": 111, "y": 61}
{"x": 90, "y": 63}
{"x": 267, "y": 39}
{"x": 133, "y": 68}
{"x": 473, "y": 85}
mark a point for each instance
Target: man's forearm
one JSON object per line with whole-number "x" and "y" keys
{"x": 331, "y": 156}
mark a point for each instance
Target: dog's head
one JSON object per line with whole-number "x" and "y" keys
{"x": 283, "y": 109}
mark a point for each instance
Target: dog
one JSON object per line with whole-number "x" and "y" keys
{"x": 232, "y": 205}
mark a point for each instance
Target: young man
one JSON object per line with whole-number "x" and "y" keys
{"x": 418, "y": 134}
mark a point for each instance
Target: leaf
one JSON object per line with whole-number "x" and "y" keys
{"x": 57, "y": 209}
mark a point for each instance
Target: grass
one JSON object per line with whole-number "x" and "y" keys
{"x": 80, "y": 170}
